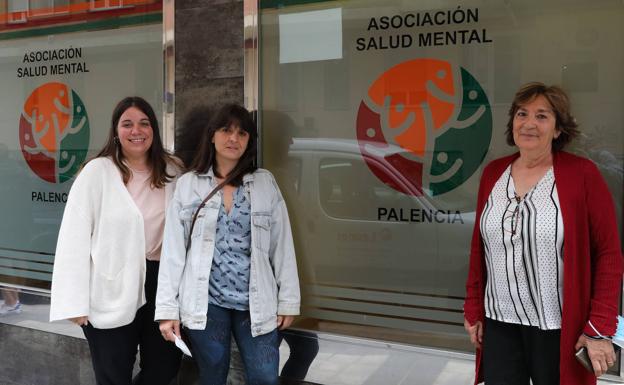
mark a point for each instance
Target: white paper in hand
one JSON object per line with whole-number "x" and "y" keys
{"x": 618, "y": 338}
{"x": 182, "y": 346}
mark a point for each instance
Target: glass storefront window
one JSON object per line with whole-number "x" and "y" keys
{"x": 63, "y": 68}
{"x": 383, "y": 114}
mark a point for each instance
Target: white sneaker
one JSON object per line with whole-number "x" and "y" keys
{"x": 8, "y": 309}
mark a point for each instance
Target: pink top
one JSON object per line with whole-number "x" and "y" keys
{"x": 151, "y": 203}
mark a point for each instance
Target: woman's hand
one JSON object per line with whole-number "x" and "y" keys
{"x": 80, "y": 321}
{"x": 284, "y": 321}
{"x": 168, "y": 328}
{"x": 475, "y": 332}
{"x": 600, "y": 353}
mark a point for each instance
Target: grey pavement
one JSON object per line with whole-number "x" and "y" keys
{"x": 341, "y": 360}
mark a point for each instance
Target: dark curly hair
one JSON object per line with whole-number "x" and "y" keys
{"x": 560, "y": 103}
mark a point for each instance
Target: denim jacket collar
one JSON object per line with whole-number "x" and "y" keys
{"x": 210, "y": 174}
{"x": 247, "y": 178}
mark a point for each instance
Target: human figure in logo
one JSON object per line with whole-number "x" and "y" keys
{"x": 545, "y": 271}
{"x": 109, "y": 246}
{"x": 228, "y": 265}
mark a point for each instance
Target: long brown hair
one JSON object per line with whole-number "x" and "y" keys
{"x": 205, "y": 159}
{"x": 157, "y": 156}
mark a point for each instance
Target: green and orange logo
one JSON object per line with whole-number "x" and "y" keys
{"x": 54, "y": 132}
{"x": 428, "y": 119}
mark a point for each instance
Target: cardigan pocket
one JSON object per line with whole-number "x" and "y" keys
{"x": 112, "y": 266}
{"x": 109, "y": 294}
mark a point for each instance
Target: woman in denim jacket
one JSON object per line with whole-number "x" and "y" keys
{"x": 228, "y": 266}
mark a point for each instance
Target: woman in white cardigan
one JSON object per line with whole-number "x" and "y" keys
{"x": 108, "y": 250}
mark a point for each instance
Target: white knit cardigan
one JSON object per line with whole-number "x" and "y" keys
{"x": 99, "y": 267}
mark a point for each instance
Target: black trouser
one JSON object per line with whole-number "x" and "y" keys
{"x": 113, "y": 351}
{"x": 303, "y": 347}
{"x": 513, "y": 354}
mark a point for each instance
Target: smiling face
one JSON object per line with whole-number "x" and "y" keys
{"x": 135, "y": 134}
{"x": 535, "y": 126}
{"x": 230, "y": 143}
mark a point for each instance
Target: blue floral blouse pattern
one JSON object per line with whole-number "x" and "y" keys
{"x": 229, "y": 275}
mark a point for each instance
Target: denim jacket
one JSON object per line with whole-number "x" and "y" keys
{"x": 183, "y": 277}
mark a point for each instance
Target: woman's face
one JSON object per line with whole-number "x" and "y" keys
{"x": 535, "y": 126}
{"x": 135, "y": 133}
{"x": 230, "y": 143}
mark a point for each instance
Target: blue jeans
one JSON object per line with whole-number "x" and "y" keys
{"x": 211, "y": 348}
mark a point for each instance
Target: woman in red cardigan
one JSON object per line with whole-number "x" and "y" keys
{"x": 545, "y": 263}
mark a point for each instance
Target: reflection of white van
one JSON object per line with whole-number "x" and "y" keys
{"x": 414, "y": 263}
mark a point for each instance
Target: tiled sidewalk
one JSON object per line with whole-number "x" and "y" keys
{"x": 340, "y": 360}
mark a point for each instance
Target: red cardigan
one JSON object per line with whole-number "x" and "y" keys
{"x": 592, "y": 268}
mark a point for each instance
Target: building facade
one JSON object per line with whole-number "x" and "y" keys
{"x": 376, "y": 117}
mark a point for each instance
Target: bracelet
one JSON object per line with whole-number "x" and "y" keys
{"x": 598, "y": 336}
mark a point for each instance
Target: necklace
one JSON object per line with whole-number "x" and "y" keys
{"x": 513, "y": 217}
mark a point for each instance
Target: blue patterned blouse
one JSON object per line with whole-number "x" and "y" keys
{"x": 229, "y": 275}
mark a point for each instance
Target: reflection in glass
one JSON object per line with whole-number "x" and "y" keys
{"x": 377, "y": 257}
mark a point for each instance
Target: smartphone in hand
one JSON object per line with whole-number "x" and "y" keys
{"x": 582, "y": 357}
